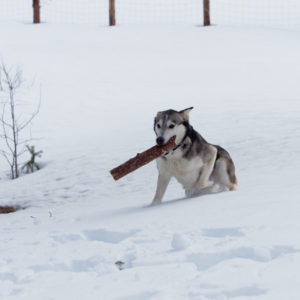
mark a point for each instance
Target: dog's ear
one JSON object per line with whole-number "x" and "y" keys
{"x": 185, "y": 113}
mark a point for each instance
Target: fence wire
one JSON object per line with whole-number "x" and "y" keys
{"x": 159, "y": 11}
{"x": 16, "y": 10}
{"x": 254, "y": 12}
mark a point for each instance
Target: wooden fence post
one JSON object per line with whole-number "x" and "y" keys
{"x": 112, "y": 13}
{"x": 206, "y": 13}
{"x": 36, "y": 11}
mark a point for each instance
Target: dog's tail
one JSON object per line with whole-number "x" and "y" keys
{"x": 231, "y": 174}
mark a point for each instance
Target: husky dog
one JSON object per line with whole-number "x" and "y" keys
{"x": 195, "y": 163}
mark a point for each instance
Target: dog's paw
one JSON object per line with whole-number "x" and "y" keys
{"x": 155, "y": 203}
{"x": 233, "y": 187}
{"x": 192, "y": 192}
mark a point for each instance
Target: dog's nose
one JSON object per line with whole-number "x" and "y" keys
{"x": 160, "y": 141}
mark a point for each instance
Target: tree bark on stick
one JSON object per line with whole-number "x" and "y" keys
{"x": 142, "y": 159}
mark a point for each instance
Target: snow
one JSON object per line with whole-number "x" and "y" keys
{"x": 179, "y": 242}
{"x": 101, "y": 88}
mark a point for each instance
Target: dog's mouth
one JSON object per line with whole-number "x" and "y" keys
{"x": 168, "y": 146}
{"x": 161, "y": 141}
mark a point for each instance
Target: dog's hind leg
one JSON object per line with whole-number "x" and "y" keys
{"x": 162, "y": 183}
{"x": 207, "y": 169}
{"x": 224, "y": 174}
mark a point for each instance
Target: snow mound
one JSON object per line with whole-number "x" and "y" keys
{"x": 179, "y": 242}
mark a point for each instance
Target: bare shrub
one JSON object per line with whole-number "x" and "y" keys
{"x": 12, "y": 120}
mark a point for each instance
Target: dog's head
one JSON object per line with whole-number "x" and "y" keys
{"x": 170, "y": 123}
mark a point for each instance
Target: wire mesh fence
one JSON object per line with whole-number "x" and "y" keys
{"x": 16, "y": 10}
{"x": 159, "y": 11}
{"x": 257, "y": 12}
{"x": 75, "y": 11}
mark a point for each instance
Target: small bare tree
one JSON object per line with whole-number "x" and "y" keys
{"x": 11, "y": 120}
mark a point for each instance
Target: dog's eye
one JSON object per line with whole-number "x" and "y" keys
{"x": 171, "y": 126}
{"x": 158, "y": 126}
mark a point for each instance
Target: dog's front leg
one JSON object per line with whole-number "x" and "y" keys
{"x": 207, "y": 168}
{"x": 162, "y": 183}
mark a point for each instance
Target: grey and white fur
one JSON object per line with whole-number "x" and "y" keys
{"x": 195, "y": 163}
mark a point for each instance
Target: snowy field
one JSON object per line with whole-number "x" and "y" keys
{"x": 101, "y": 88}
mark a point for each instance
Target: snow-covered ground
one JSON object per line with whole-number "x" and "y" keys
{"x": 101, "y": 88}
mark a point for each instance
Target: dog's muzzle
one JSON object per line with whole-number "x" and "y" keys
{"x": 160, "y": 141}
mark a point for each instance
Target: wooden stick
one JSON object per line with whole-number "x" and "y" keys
{"x": 142, "y": 159}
